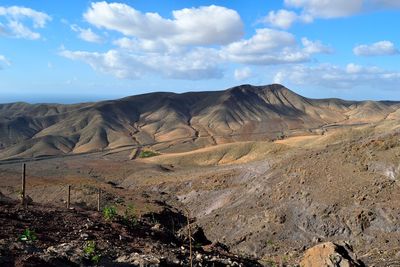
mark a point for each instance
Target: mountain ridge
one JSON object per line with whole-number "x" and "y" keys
{"x": 174, "y": 122}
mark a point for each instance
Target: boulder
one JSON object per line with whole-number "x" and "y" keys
{"x": 330, "y": 255}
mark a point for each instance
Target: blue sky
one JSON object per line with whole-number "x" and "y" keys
{"x": 72, "y": 51}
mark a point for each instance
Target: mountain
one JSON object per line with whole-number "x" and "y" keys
{"x": 174, "y": 122}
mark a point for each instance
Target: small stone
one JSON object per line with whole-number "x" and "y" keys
{"x": 85, "y": 236}
{"x": 156, "y": 227}
{"x": 199, "y": 257}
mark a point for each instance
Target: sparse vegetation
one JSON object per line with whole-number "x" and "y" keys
{"x": 148, "y": 154}
{"x": 109, "y": 213}
{"x": 28, "y": 236}
{"x": 153, "y": 220}
{"x": 91, "y": 252}
{"x": 269, "y": 262}
{"x": 130, "y": 217}
{"x": 280, "y": 136}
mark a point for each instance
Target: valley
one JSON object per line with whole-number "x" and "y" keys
{"x": 261, "y": 169}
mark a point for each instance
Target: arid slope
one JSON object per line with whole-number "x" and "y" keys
{"x": 174, "y": 122}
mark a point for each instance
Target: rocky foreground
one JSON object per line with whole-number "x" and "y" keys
{"x": 49, "y": 236}
{"x": 40, "y": 235}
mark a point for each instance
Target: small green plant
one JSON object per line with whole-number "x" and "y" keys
{"x": 280, "y": 136}
{"x": 153, "y": 220}
{"x": 28, "y": 236}
{"x": 109, "y": 213}
{"x": 148, "y": 154}
{"x": 91, "y": 251}
{"x": 130, "y": 215}
{"x": 268, "y": 262}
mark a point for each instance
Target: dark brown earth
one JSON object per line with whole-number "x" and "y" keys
{"x": 62, "y": 236}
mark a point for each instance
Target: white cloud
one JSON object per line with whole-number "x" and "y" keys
{"x": 327, "y": 8}
{"x": 383, "y": 4}
{"x": 352, "y": 68}
{"x": 269, "y": 47}
{"x": 332, "y": 76}
{"x": 284, "y": 18}
{"x": 89, "y": 36}
{"x": 281, "y": 18}
{"x": 264, "y": 40}
{"x": 140, "y": 45}
{"x": 86, "y": 34}
{"x": 20, "y": 31}
{"x": 242, "y": 74}
{"x": 381, "y": 48}
{"x": 194, "y": 65}
{"x": 279, "y": 77}
{"x": 177, "y": 48}
{"x": 188, "y": 27}
{"x": 4, "y": 61}
{"x": 315, "y": 47}
{"x": 15, "y": 15}
{"x": 17, "y": 12}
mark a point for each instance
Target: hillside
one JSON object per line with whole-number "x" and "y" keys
{"x": 174, "y": 122}
{"x": 76, "y": 237}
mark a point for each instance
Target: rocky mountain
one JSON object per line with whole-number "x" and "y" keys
{"x": 174, "y": 122}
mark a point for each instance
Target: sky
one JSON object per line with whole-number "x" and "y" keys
{"x": 77, "y": 50}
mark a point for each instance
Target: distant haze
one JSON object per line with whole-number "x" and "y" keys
{"x": 60, "y": 99}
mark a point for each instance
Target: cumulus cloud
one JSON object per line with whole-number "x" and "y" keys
{"x": 174, "y": 48}
{"x": 315, "y": 47}
{"x": 308, "y": 10}
{"x": 269, "y": 46}
{"x": 194, "y": 65}
{"x": 382, "y": 48}
{"x": 13, "y": 18}
{"x": 86, "y": 34}
{"x": 135, "y": 57}
{"x": 284, "y": 18}
{"x": 143, "y": 45}
{"x": 242, "y": 74}
{"x": 327, "y": 8}
{"x": 190, "y": 45}
{"x": 189, "y": 26}
{"x": 333, "y": 76}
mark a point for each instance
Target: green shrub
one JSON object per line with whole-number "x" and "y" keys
{"x": 91, "y": 252}
{"x": 28, "y": 236}
{"x": 148, "y": 154}
{"x": 130, "y": 217}
{"x": 109, "y": 213}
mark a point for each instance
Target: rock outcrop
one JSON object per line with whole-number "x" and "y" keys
{"x": 330, "y": 255}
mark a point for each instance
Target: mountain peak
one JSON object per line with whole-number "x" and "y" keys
{"x": 168, "y": 120}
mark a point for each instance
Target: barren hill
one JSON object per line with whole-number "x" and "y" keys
{"x": 174, "y": 122}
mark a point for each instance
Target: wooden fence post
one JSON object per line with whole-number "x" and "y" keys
{"x": 23, "y": 198}
{"x": 69, "y": 197}
{"x": 98, "y": 199}
{"x": 190, "y": 236}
